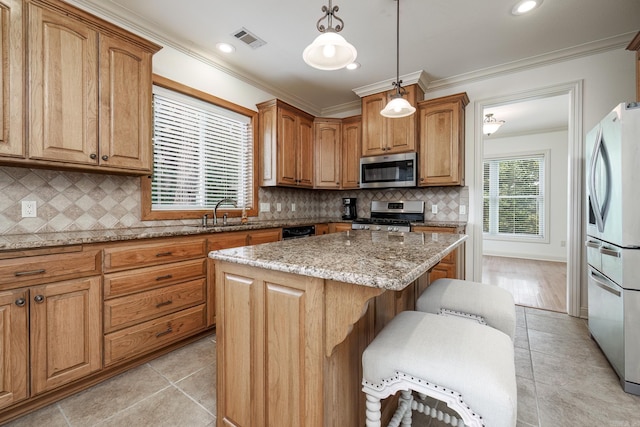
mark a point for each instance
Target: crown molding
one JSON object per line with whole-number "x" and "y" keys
{"x": 418, "y": 77}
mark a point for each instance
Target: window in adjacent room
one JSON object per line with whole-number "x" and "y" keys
{"x": 203, "y": 152}
{"x": 514, "y": 197}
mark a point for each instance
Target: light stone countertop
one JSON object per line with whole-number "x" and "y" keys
{"x": 10, "y": 242}
{"x": 369, "y": 258}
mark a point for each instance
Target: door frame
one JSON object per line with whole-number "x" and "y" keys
{"x": 575, "y": 184}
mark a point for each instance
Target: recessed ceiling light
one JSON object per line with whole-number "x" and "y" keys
{"x": 225, "y": 47}
{"x": 525, "y": 6}
{"x": 353, "y": 66}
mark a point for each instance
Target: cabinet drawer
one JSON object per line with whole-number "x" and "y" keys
{"x": 132, "y": 309}
{"x": 143, "y": 279}
{"x": 130, "y": 256}
{"x": 153, "y": 334}
{"x": 47, "y": 268}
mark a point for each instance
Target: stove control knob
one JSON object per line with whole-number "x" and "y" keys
{"x": 378, "y": 228}
{"x": 389, "y": 228}
{"x": 365, "y": 227}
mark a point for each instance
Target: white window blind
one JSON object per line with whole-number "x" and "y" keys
{"x": 202, "y": 153}
{"x": 514, "y": 196}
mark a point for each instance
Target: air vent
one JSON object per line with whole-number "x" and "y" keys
{"x": 249, "y": 38}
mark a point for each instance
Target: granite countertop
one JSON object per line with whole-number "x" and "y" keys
{"x": 370, "y": 258}
{"x": 10, "y": 242}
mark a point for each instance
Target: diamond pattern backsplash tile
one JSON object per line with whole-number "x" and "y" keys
{"x": 69, "y": 201}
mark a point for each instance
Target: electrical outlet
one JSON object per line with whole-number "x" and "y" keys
{"x": 462, "y": 210}
{"x": 265, "y": 207}
{"x": 434, "y": 209}
{"x": 279, "y": 207}
{"x": 29, "y": 209}
{"x": 293, "y": 207}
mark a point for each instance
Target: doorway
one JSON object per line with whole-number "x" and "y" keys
{"x": 572, "y": 235}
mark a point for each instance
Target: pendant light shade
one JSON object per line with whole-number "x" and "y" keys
{"x": 398, "y": 106}
{"x": 490, "y": 124}
{"x": 329, "y": 51}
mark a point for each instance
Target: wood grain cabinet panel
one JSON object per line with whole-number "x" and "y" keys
{"x": 451, "y": 265}
{"x": 11, "y": 80}
{"x": 14, "y": 346}
{"x": 351, "y": 149}
{"x": 157, "y": 252}
{"x": 328, "y": 151}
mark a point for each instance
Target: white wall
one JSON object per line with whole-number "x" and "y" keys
{"x": 556, "y": 144}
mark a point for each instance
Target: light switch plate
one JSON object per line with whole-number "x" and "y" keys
{"x": 434, "y": 209}
{"x": 293, "y": 207}
{"x": 279, "y": 207}
{"x": 462, "y": 210}
{"x": 265, "y": 207}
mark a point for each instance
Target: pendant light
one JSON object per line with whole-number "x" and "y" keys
{"x": 398, "y": 106}
{"x": 490, "y": 124}
{"x": 329, "y": 51}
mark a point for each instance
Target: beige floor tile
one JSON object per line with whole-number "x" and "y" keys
{"x": 201, "y": 386}
{"x": 50, "y": 416}
{"x": 524, "y": 367}
{"x": 562, "y": 326}
{"x": 185, "y": 361}
{"x": 527, "y": 402}
{"x": 103, "y": 400}
{"x": 521, "y": 339}
{"x": 520, "y": 317}
{"x": 168, "y": 408}
{"x": 574, "y": 349}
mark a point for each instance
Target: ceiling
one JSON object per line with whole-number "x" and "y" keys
{"x": 448, "y": 39}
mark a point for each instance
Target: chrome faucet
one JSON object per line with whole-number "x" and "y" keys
{"x": 215, "y": 210}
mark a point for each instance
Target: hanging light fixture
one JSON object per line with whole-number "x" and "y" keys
{"x": 398, "y": 106}
{"x": 490, "y": 124}
{"x": 329, "y": 51}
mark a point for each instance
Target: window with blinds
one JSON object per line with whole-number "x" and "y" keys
{"x": 202, "y": 153}
{"x": 514, "y": 196}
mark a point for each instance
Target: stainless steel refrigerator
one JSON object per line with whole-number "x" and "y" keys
{"x": 613, "y": 240}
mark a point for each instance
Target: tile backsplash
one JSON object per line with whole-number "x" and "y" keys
{"x": 68, "y": 201}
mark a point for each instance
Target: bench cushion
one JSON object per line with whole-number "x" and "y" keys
{"x": 462, "y": 356}
{"x": 495, "y": 305}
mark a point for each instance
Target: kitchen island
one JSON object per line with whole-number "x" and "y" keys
{"x": 293, "y": 318}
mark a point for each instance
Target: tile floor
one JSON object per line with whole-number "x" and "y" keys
{"x": 563, "y": 380}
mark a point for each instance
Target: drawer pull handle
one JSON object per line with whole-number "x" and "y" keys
{"x": 168, "y": 331}
{"x": 165, "y": 277}
{"x": 162, "y": 304}
{"x": 159, "y": 254}
{"x": 29, "y": 273}
{"x": 39, "y": 299}
{"x": 20, "y": 302}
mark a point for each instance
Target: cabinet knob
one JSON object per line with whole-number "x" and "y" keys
{"x": 105, "y": 157}
{"x": 93, "y": 156}
{"x": 38, "y": 298}
{"x": 20, "y": 302}
{"x": 421, "y": 179}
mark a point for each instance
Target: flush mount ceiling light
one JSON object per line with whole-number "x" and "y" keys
{"x": 490, "y": 124}
{"x": 525, "y": 6}
{"x": 329, "y": 51}
{"x": 398, "y": 106}
{"x": 225, "y": 48}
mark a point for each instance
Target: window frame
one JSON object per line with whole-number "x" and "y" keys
{"x": 145, "y": 182}
{"x": 545, "y": 238}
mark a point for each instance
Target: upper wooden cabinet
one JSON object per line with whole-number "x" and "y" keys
{"x": 88, "y": 92}
{"x": 381, "y": 135}
{"x": 635, "y": 45}
{"x": 286, "y": 145}
{"x": 11, "y": 78}
{"x": 441, "y": 150}
{"x": 351, "y": 143}
{"x": 328, "y": 151}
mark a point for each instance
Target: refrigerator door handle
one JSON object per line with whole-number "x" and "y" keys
{"x": 603, "y": 283}
{"x": 610, "y": 252}
{"x": 598, "y": 150}
{"x": 592, "y": 244}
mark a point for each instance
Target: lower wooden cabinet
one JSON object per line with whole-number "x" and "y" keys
{"x": 338, "y": 227}
{"x": 452, "y": 265}
{"x": 14, "y": 346}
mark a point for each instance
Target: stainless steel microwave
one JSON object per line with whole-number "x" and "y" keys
{"x": 393, "y": 170}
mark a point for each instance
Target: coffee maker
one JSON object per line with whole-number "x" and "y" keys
{"x": 349, "y": 210}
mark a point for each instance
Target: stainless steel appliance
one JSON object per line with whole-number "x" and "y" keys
{"x": 393, "y": 170}
{"x": 298, "y": 232}
{"x": 391, "y": 216}
{"x": 349, "y": 209}
{"x": 613, "y": 240}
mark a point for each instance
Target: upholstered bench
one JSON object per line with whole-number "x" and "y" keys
{"x": 467, "y": 365}
{"x": 486, "y": 304}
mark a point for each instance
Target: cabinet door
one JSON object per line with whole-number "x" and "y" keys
{"x": 264, "y": 236}
{"x": 305, "y": 152}
{"x": 66, "y": 332}
{"x": 11, "y": 77}
{"x": 401, "y": 132}
{"x": 14, "y": 347}
{"x": 287, "y": 140}
{"x": 63, "y": 88}
{"x": 373, "y": 125}
{"x": 125, "y": 109}
{"x": 351, "y": 142}
{"x": 328, "y": 149}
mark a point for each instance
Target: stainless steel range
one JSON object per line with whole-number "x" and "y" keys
{"x": 391, "y": 216}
